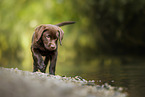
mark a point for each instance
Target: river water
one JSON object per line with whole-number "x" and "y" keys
{"x": 129, "y": 76}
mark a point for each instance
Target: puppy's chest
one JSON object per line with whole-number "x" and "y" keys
{"x": 46, "y": 52}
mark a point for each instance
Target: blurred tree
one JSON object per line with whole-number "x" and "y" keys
{"x": 114, "y": 27}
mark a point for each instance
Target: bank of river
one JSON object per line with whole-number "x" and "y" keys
{"x": 18, "y": 83}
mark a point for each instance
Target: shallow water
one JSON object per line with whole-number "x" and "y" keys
{"x": 130, "y": 77}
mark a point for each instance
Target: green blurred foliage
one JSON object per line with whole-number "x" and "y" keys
{"x": 18, "y": 20}
{"x": 103, "y": 27}
{"x": 116, "y": 26}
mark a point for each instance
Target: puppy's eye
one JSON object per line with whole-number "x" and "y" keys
{"x": 48, "y": 36}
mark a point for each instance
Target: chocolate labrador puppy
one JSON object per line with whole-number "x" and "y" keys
{"x": 45, "y": 43}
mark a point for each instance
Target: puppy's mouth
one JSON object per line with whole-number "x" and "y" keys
{"x": 50, "y": 47}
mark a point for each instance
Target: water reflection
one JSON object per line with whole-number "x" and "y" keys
{"x": 128, "y": 76}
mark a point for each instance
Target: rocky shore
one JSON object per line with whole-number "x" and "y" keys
{"x": 18, "y": 83}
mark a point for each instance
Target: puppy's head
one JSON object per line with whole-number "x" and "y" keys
{"x": 49, "y": 35}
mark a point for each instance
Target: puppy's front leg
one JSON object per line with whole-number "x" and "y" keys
{"x": 46, "y": 62}
{"x": 52, "y": 66}
{"x": 38, "y": 61}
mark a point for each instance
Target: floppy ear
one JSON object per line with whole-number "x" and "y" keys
{"x": 61, "y": 33}
{"x": 38, "y": 32}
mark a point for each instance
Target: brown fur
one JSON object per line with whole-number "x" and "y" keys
{"x": 44, "y": 43}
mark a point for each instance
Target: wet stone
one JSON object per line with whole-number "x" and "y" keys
{"x": 18, "y": 83}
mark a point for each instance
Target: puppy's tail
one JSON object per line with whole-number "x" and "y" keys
{"x": 65, "y": 23}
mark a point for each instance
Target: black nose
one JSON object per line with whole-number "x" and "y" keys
{"x": 52, "y": 46}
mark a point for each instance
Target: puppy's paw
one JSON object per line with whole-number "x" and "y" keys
{"x": 41, "y": 68}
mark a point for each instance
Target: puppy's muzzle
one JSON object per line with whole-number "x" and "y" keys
{"x": 52, "y": 46}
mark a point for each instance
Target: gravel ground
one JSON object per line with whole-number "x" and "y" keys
{"x": 18, "y": 83}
